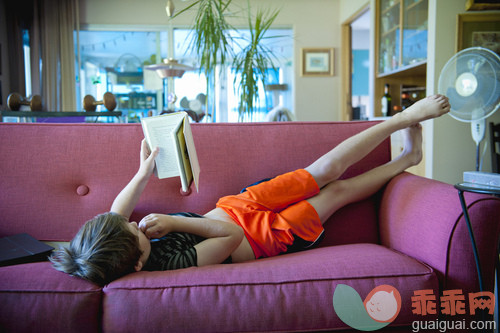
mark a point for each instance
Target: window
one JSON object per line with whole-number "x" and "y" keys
{"x": 27, "y": 61}
{"x": 280, "y": 43}
{"x": 114, "y": 61}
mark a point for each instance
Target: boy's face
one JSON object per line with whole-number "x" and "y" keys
{"x": 144, "y": 244}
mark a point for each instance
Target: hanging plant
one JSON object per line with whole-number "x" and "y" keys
{"x": 253, "y": 61}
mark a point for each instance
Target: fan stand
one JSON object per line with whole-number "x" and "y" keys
{"x": 471, "y": 80}
{"x": 478, "y": 129}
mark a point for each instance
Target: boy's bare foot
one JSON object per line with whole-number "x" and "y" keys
{"x": 427, "y": 108}
{"x": 412, "y": 137}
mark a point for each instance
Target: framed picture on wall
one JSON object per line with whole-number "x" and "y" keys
{"x": 317, "y": 62}
{"x": 478, "y": 29}
{"x": 482, "y": 5}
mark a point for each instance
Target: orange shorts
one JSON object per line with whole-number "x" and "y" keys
{"x": 273, "y": 213}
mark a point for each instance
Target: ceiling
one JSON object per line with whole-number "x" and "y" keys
{"x": 362, "y": 22}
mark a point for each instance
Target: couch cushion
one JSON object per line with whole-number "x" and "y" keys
{"x": 73, "y": 172}
{"x": 215, "y": 298}
{"x": 359, "y": 216}
{"x": 36, "y": 297}
{"x": 424, "y": 219}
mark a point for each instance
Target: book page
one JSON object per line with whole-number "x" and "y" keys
{"x": 158, "y": 133}
{"x": 183, "y": 158}
{"x": 193, "y": 156}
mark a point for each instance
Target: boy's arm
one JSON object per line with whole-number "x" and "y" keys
{"x": 222, "y": 238}
{"x": 127, "y": 199}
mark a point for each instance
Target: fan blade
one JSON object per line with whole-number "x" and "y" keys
{"x": 488, "y": 88}
{"x": 457, "y": 101}
{"x": 471, "y": 81}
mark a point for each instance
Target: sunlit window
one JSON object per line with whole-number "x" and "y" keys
{"x": 115, "y": 61}
{"x": 27, "y": 62}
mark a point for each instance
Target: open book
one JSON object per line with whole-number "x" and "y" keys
{"x": 177, "y": 156}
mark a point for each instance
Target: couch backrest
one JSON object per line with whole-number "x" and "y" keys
{"x": 54, "y": 177}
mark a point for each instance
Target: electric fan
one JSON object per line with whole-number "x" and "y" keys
{"x": 471, "y": 81}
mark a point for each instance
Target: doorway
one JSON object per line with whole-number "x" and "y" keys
{"x": 356, "y": 54}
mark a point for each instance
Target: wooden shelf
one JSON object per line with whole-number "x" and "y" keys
{"x": 49, "y": 114}
{"x": 417, "y": 69}
{"x": 413, "y": 5}
{"x": 412, "y": 89}
{"x": 392, "y": 7}
{"x": 390, "y": 31}
{"x": 403, "y": 75}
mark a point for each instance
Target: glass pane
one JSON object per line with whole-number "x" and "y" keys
{"x": 415, "y": 32}
{"x": 114, "y": 61}
{"x": 279, "y": 42}
{"x": 191, "y": 88}
{"x": 264, "y": 103}
{"x": 389, "y": 35}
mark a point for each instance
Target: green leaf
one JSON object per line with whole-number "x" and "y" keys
{"x": 253, "y": 60}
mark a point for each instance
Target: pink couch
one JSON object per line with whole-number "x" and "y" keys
{"x": 53, "y": 177}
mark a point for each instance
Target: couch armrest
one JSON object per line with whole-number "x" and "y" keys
{"x": 423, "y": 218}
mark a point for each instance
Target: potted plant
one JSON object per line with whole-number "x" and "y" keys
{"x": 213, "y": 44}
{"x": 253, "y": 61}
{"x": 211, "y": 40}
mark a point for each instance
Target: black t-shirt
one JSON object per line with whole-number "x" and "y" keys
{"x": 175, "y": 250}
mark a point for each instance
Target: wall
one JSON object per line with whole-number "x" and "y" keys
{"x": 449, "y": 147}
{"x": 453, "y": 151}
{"x": 315, "y": 23}
{"x": 350, "y": 7}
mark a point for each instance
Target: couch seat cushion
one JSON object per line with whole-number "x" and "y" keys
{"x": 215, "y": 298}
{"x": 36, "y": 297}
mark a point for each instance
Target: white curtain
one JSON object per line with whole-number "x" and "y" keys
{"x": 52, "y": 41}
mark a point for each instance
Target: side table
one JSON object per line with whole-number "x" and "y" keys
{"x": 482, "y": 189}
{"x": 475, "y": 188}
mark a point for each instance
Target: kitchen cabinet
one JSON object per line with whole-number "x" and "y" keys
{"x": 401, "y": 51}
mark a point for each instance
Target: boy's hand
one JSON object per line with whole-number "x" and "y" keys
{"x": 156, "y": 225}
{"x": 147, "y": 159}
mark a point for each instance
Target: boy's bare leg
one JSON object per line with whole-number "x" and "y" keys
{"x": 342, "y": 192}
{"x": 332, "y": 165}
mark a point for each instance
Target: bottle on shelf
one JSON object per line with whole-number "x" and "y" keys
{"x": 405, "y": 100}
{"x": 386, "y": 101}
{"x": 396, "y": 109}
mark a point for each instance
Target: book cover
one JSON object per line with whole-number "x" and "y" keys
{"x": 22, "y": 248}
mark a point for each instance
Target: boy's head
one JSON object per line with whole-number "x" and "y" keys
{"x": 104, "y": 249}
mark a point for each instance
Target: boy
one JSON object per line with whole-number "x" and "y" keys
{"x": 277, "y": 216}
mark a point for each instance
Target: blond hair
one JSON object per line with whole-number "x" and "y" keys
{"x": 103, "y": 250}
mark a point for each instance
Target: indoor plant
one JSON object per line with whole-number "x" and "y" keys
{"x": 211, "y": 41}
{"x": 253, "y": 61}
{"x": 213, "y": 44}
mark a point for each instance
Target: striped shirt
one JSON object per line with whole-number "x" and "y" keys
{"x": 175, "y": 250}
